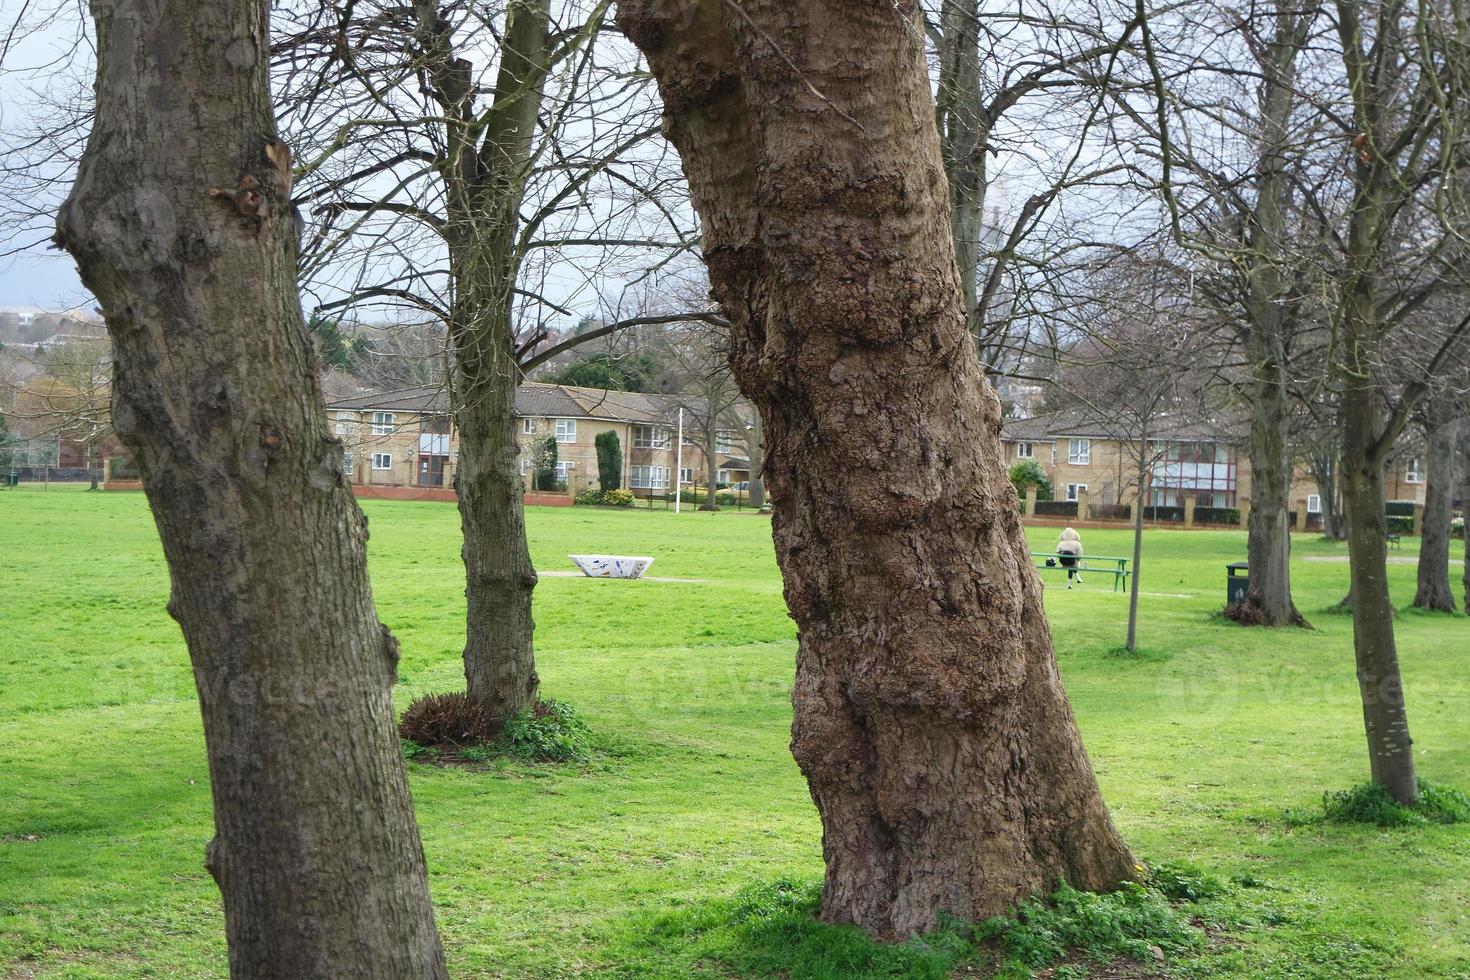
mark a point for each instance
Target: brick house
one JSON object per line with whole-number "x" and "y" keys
{"x": 406, "y": 438}
{"x": 1201, "y": 461}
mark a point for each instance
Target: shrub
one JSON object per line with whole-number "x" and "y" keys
{"x": 692, "y": 496}
{"x": 591, "y": 495}
{"x": 1027, "y": 473}
{"x": 1399, "y": 508}
{"x": 1399, "y": 525}
{"x": 1370, "y": 803}
{"x": 609, "y": 461}
{"x": 446, "y": 719}
{"x": 618, "y": 498}
{"x": 550, "y": 731}
{"x": 725, "y": 499}
{"x": 1056, "y": 508}
{"x": 1457, "y": 527}
{"x": 546, "y": 465}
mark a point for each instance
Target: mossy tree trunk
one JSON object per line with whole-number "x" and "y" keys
{"x": 1441, "y": 431}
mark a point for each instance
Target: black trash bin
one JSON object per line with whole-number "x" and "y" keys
{"x": 1237, "y": 582}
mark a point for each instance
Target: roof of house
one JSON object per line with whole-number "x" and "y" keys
{"x": 1082, "y": 425}
{"x": 533, "y": 400}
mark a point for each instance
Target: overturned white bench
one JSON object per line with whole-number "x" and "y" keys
{"x": 612, "y": 566}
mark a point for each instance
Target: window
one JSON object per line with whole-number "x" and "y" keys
{"x": 1314, "y": 503}
{"x": 1414, "y": 470}
{"x": 724, "y": 441}
{"x": 435, "y": 425}
{"x": 1074, "y": 488}
{"x": 382, "y": 423}
{"x": 564, "y": 469}
{"x": 686, "y": 475}
{"x": 650, "y": 437}
{"x": 528, "y": 426}
{"x": 525, "y": 466}
{"x": 1024, "y": 450}
{"x": 347, "y": 464}
{"x": 346, "y": 423}
{"x": 722, "y": 476}
{"x": 1079, "y": 451}
{"x": 566, "y": 430}
{"x": 382, "y": 461}
{"x": 649, "y": 478}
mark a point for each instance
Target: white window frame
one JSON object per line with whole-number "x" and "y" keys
{"x": 1073, "y": 489}
{"x": 1314, "y": 503}
{"x": 722, "y": 476}
{"x": 1079, "y": 452}
{"x": 1025, "y": 450}
{"x": 566, "y": 430}
{"x": 648, "y": 477}
{"x": 686, "y": 475}
{"x": 382, "y": 461}
{"x": 1414, "y": 470}
{"x": 348, "y": 465}
{"x": 725, "y": 441}
{"x": 382, "y": 423}
{"x": 528, "y": 427}
{"x": 346, "y": 423}
{"x": 650, "y": 436}
{"x": 564, "y": 468}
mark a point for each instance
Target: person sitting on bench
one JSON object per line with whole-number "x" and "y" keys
{"x": 1069, "y": 552}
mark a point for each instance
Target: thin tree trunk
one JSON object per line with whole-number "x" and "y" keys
{"x": 1441, "y": 437}
{"x": 711, "y": 462}
{"x": 757, "y": 448}
{"x": 963, "y": 144}
{"x": 181, "y": 228}
{"x": 1385, "y": 717}
{"x": 930, "y": 719}
{"x": 1268, "y": 600}
{"x": 1137, "y": 541}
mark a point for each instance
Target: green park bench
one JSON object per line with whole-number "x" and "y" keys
{"x": 1091, "y": 564}
{"x": 1395, "y": 539}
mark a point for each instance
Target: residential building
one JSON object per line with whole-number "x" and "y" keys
{"x": 407, "y": 438}
{"x": 1202, "y": 460}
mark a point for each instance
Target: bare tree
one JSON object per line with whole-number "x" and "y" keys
{"x": 1138, "y": 377}
{"x": 930, "y": 720}
{"x": 1403, "y": 72}
{"x": 467, "y": 155}
{"x": 180, "y": 225}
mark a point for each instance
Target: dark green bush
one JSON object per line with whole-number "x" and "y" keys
{"x": 609, "y": 461}
{"x": 591, "y": 495}
{"x": 551, "y": 731}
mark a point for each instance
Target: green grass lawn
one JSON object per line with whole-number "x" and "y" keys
{"x": 1203, "y": 743}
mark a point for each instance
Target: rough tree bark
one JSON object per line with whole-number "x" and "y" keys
{"x": 1270, "y": 313}
{"x": 181, "y": 228}
{"x": 1441, "y": 436}
{"x": 930, "y": 719}
{"x": 485, "y": 183}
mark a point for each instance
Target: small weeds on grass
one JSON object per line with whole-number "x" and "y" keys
{"x": 1136, "y": 922}
{"x": 551, "y": 731}
{"x": 1370, "y": 803}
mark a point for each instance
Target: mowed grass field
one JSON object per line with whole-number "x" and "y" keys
{"x": 1205, "y": 743}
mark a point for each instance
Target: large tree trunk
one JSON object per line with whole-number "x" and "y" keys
{"x": 485, "y": 185}
{"x": 1385, "y": 717}
{"x": 930, "y": 719}
{"x": 1441, "y": 437}
{"x": 316, "y": 851}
